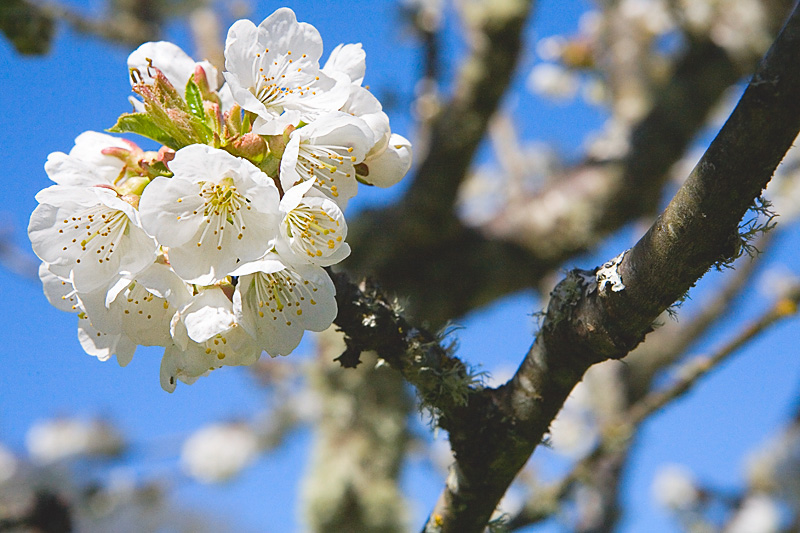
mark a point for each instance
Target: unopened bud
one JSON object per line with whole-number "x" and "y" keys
{"x": 250, "y": 146}
{"x": 200, "y": 77}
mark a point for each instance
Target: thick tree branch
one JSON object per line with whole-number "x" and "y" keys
{"x": 465, "y": 268}
{"x": 619, "y": 437}
{"x": 603, "y": 314}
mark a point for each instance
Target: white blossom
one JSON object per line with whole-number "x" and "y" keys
{"x": 276, "y": 303}
{"x": 312, "y": 229}
{"x": 758, "y": 514}
{"x": 213, "y": 256}
{"x": 219, "y": 452}
{"x": 89, "y": 232}
{"x": 215, "y": 212}
{"x": 206, "y": 337}
{"x": 64, "y": 438}
{"x": 274, "y": 68}
{"x": 674, "y": 488}
{"x": 326, "y": 152}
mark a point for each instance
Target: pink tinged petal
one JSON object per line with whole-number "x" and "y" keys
{"x": 70, "y": 171}
{"x": 389, "y": 167}
{"x": 349, "y": 59}
{"x": 277, "y": 307}
{"x": 58, "y": 290}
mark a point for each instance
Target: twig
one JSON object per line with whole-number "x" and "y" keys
{"x": 696, "y": 369}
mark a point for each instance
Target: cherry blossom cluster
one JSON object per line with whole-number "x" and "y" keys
{"x": 214, "y": 245}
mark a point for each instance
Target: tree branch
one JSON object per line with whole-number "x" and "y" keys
{"x": 603, "y": 314}
{"x": 534, "y": 235}
{"x": 421, "y": 229}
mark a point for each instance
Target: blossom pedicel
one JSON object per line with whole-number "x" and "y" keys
{"x": 213, "y": 246}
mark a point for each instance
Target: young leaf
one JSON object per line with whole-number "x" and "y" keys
{"x": 142, "y": 124}
{"x": 194, "y": 98}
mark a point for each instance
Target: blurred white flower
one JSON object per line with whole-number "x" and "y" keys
{"x": 652, "y": 16}
{"x": 8, "y": 464}
{"x": 574, "y": 432}
{"x": 550, "y": 48}
{"x": 758, "y": 514}
{"x": 219, "y": 452}
{"x": 552, "y": 80}
{"x": 65, "y": 438}
{"x": 674, "y": 488}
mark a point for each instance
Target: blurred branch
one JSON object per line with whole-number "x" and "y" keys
{"x": 49, "y": 513}
{"x": 128, "y": 23}
{"x": 421, "y": 229}
{"x": 603, "y": 314}
{"x": 419, "y": 246}
{"x": 697, "y": 368}
{"x": 28, "y": 28}
{"x": 360, "y": 444}
{"x": 16, "y": 260}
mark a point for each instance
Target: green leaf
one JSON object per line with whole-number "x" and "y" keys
{"x": 142, "y": 124}
{"x": 194, "y": 98}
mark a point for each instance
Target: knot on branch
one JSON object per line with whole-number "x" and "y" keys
{"x": 580, "y": 325}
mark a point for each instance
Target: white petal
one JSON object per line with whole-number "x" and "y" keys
{"x": 176, "y": 65}
{"x": 58, "y": 290}
{"x": 349, "y": 59}
{"x": 389, "y": 167}
{"x": 89, "y": 147}
{"x": 215, "y": 212}
{"x": 103, "y": 345}
{"x": 208, "y": 314}
{"x": 276, "y": 308}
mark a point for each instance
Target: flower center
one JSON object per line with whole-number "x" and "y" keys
{"x": 282, "y": 295}
{"x": 94, "y": 233}
{"x": 280, "y": 80}
{"x": 313, "y": 232}
{"x": 223, "y": 205}
{"x": 325, "y": 164}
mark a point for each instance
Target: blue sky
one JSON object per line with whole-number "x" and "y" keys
{"x": 83, "y": 85}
